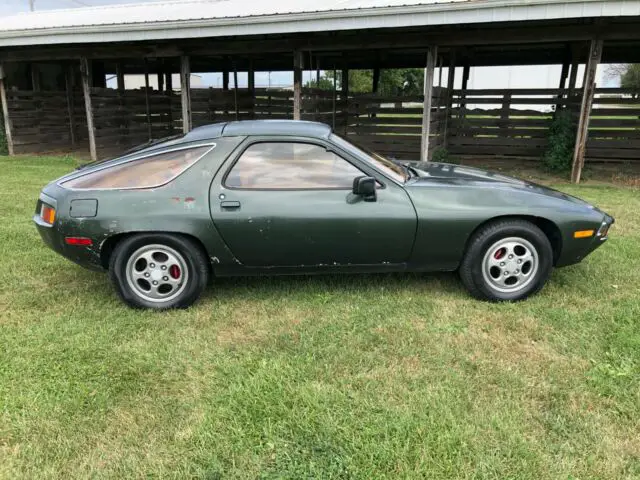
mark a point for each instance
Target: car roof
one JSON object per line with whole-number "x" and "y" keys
{"x": 259, "y": 127}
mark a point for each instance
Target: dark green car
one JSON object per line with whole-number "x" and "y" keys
{"x": 285, "y": 197}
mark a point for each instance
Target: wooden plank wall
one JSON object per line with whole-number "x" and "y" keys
{"x": 393, "y": 125}
{"x": 512, "y": 123}
{"x": 41, "y": 122}
{"x": 515, "y": 123}
{"x": 614, "y": 126}
{"x": 121, "y": 118}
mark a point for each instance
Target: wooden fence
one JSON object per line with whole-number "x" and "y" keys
{"x": 393, "y": 125}
{"x": 45, "y": 118}
{"x": 516, "y": 122}
{"x": 485, "y": 123}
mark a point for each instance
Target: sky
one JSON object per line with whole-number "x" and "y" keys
{"x": 485, "y": 77}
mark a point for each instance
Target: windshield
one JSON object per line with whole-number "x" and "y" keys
{"x": 390, "y": 168}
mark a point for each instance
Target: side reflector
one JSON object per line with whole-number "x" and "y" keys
{"x": 583, "y": 234}
{"x": 78, "y": 241}
{"x": 48, "y": 214}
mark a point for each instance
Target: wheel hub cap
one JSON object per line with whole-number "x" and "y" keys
{"x": 157, "y": 273}
{"x": 510, "y": 265}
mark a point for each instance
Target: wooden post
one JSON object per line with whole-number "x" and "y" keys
{"x": 563, "y": 82}
{"x": 466, "y": 72}
{"x": 86, "y": 90}
{"x": 35, "y": 77}
{"x": 344, "y": 93}
{"x": 235, "y": 90}
{"x": 589, "y": 88}
{"x": 68, "y": 77}
{"x": 429, "y": 73}
{"x": 120, "y": 75}
{"x": 225, "y": 80}
{"x": 450, "y": 83}
{"x": 251, "y": 86}
{"x": 5, "y": 112}
{"x": 333, "y": 109}
{"x": 297, "y": 84}
{"x": 376, "y": 80}
{"x": 169, "y": 94}
{"x": 160, "y": 81}
{"x": 146, "y": 97}
{"x": 185, "y": 89}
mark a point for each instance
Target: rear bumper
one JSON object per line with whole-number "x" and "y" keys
{"x": 83, "y": 256}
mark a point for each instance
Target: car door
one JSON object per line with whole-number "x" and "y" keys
{"x": 282, "y": 201}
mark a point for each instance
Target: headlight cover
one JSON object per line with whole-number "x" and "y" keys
{"x": 145, "y": 172}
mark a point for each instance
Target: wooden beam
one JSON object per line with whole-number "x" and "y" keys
{"x": 251, "y": 79}
{"x": 169, "y": 94}
{"x": 376, "y": 80}
{"x": 333, "y": 109}
{"x": 429, "y": 74}
{"x": 563, "y": 80}
{"x": 86, "y": 90}
{"x": 251, "y": 86}
{"x": 450, "y": 84}
{"x": 225, "y": 80}
{"x": 344, "y": 93}
{"x": 160, "y": 79}
{"x": 297, "y": 84}
{"x": 120, "y": 75}
{"x": 146, "y": 97}
{"x": 35, "y": 77}
{"x": 504, "y": 34}
{"x": 185, "y": 89}
{"x": 5, "y": 112}
{"x": 235, "y": 91}
{"x": 589, "y": 88}
{"x": 466, "y": 72}
{"x": 68, "y": 77}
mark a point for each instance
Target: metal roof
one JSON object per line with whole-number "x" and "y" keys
{"x": 214, "y": 18}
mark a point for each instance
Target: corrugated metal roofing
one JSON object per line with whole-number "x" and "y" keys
{"x": 210, "y": 18}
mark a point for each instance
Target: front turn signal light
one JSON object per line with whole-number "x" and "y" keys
{"x": 583, "y": 234}
{"x": 48, "y": 214}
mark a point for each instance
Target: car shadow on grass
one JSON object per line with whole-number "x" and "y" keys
{"x": 359, "y": 284}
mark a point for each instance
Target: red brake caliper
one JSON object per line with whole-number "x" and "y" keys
{"x": 499, "y": 254}
{"x": 174, "y": 271}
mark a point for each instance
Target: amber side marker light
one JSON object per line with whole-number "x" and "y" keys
{"x": 48, "y": 214}
{"x": 583, "y": 234}
{"x": 78, "y": 241}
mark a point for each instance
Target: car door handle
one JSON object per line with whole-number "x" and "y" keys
{"x": 230, "y": 204}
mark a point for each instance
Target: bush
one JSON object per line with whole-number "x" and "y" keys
{"x": 442, "y": 155}
{"x": 562, "y": 138}
{"x": 3, "y": 139}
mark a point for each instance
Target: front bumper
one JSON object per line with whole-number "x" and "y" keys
{"x": 578, "y": 249}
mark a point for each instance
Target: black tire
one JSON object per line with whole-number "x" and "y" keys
{"x": 192, "y": 259}
{"x": 471, "y": 269}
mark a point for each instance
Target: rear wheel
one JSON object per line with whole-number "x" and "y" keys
{"x": 158, "y": 271}
{"x": 507, "y": 260}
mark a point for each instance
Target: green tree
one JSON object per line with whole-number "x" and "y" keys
{"x": 630, "y": 78}
{"x": 401, "y": 81}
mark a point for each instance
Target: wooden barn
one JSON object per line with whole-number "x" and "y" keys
{"x": 54, "y": 67}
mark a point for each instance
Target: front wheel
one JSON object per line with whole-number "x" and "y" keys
{"x": 158, "y": 271}
{"x": 507, "y": 260}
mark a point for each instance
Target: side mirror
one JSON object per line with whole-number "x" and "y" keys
{"x": 365, "y": 187}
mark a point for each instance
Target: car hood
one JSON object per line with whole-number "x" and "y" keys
{"x": 428, "y": 172}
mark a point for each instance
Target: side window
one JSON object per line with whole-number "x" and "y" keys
{"x": 289, "y": 165}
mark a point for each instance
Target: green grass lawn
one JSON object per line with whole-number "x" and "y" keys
{"x": 383, "y": 376}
